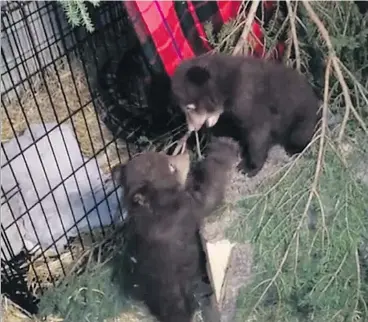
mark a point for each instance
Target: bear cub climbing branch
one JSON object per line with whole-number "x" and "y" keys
{"x": 166, "y": 203}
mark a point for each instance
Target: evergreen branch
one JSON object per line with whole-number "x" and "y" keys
{"x": 77, "y": 12}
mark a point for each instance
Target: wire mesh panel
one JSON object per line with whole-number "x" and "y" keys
{"x": 57, "y": 196}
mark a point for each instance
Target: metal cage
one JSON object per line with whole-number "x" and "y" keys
{"x": 36, "y": 42}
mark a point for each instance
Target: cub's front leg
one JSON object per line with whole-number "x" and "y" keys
{"x": 210, "y": 177}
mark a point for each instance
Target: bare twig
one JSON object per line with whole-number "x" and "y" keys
{"x": 334, "y": 60}
{"x": 248, "y": 24}
{"x": 182, "y": 143}
{"x": 292, "y": 14}
{"x": 288, "y": 46}
{"x": 231, "y": 34}
{"x": 198, "y": 145}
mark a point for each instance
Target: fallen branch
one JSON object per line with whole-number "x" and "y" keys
{"x": 335, "y": 62}
{"x": 313, "y": 190}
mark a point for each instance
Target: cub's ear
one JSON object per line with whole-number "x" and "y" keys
{"x": 118, "y": 174}
{"x": 198, "y": 75}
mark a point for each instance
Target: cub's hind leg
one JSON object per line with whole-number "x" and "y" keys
{"x": 299, "y": 136}
{"x": 256, "y": 144}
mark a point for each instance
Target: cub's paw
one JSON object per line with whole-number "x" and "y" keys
{"x": 252, "y": 173}
{"x": 244, "y": 169}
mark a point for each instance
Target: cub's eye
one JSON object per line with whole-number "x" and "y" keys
{"x": 190, "y": 107}
{"x": 172, "y": 168}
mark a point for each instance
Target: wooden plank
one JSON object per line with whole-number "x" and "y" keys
{"x": 218, "y": 255}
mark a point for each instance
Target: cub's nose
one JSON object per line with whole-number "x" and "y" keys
{"x": 212, "y": 119}
{"x": 195, "y": 121}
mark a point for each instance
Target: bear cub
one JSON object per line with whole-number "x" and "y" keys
{"x": 166, "y": 203}
{"x": 262, "y": 102}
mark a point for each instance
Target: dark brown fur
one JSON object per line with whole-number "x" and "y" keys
{"x": 268, "y": 102}
{"x": 165, "y": 211}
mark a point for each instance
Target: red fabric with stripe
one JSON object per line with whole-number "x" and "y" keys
{"x": 198, "y": 25}
{"x": 228, "y": 9}
{"x": 158, "y": 20}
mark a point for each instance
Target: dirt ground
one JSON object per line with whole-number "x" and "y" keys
{"x": 240, "y": 268}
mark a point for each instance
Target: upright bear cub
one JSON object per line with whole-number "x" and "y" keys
{"x": 166, "y": 203}
{"x": 266, "y": 102}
